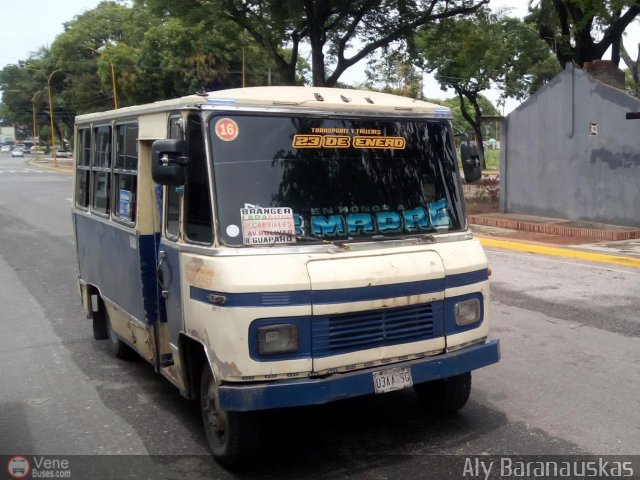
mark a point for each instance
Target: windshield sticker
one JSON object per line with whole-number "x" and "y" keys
{"x": 438, "y": 214}
{"x": 267, "y": 226}
{"x": 351, "y": 221}
{"x": 362, "y": 138}
{"x": 227, "y": 129}
{"x": 233, "y": 231}
{"x": 124, "y": 207}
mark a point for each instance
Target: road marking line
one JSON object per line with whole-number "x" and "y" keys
{"x": 561, "y": 252}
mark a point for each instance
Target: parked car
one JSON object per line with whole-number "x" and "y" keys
{"x": 33, "y": 149}
{"x": 17, "y": 152}
{"x": 63, "y": 154}
{"x": 5, "y": 148}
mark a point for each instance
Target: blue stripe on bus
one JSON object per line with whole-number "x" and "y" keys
{"x": 147, "y": 245}
{"x": 343, "y": 295}
{"x": 467, "y": 278}
{"x": 378, "y": 292}
{"x": 316, "y": 391}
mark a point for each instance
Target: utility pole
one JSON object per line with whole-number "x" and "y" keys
{"x": 53, "y": 133}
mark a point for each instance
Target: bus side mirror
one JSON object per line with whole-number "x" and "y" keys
{"x": 470, "y": 162}
{"x": 168, "y": 162}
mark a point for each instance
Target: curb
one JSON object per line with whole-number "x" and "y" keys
{"x": 47, "y": 166}
{"x": 561, "y": 252}
{"x": 553, "y": 229}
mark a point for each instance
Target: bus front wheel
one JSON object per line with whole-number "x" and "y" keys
{"x": 446, "y": 395}
{"x": 232, "y": 436}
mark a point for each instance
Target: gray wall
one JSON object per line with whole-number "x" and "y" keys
{"x": 552, "y": 166}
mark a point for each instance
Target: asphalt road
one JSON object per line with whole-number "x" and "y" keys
{"x": 568, "y": 382}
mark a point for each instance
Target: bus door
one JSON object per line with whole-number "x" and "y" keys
{"x": 187, "y": 216}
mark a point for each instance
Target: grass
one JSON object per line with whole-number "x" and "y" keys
{"x": 492, "y": 159}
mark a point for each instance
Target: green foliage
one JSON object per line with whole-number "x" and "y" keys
{"x": 580, "y": 31}
{"x": 340, "y": 33}
{"x": 462, "y": 125}
{"x": 472, "y": 54}
{"x": 152, "y": 56}
{"x": 393, "y": 72}
{"x": 492, "y": 158}
{"x": 90, "y": 44}
{"x": 629, "y": 83}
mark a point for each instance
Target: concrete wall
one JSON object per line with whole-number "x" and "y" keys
{"x": 570, "y": 153}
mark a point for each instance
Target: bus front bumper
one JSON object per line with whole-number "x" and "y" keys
{"x": 339, "y": 386}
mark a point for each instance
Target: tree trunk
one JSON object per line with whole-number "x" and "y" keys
{"x": 474, "y": 121}
{"x": 317, "y": 38}
{"x": 617, "y": 42}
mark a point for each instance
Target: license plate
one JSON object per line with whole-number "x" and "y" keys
{"x": 392, "y": 379}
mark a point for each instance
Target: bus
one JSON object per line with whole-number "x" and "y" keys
{"x": 275, "y": 247}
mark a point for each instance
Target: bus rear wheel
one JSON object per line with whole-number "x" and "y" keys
{"x": 118, "y": 347}
{"x": 232, "y": 436}
{"x": 447, "y": 395}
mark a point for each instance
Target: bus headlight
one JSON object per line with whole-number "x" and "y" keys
{"x": 281, "y": 338}
{"x": 467, "y": 312}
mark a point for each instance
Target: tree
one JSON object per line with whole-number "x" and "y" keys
{"x": 26, "y": 86}
{"x": 472, "y": 54}
{"x": 332, "y": 28}
{"x": 461, "y": 124}
{"x": 570, "y": 27}
{"x": 90, "y": 44}
{"x": 634, "y": 69}
{"x": 153, "y": 55}
{"x": 393, "y": 72}
{"x": 153, "y": 58}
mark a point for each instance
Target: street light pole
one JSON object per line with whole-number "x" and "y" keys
{"x": 53, "y": 134}
{"x": 113, "y": 76}
{"x": 35, "y": 134}
{"x": 113, "y": 83}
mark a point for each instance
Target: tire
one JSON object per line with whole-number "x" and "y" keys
{"x": 233, "y": 436}
{"x": 447, "y": 395}
{"x": 118, "y": 348}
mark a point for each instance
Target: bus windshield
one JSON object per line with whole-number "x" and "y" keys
{"x": 288, "y": 179}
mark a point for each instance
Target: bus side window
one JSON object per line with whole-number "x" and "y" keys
{"x": 199, "y": 224}
{"x": 125, "y": 172}
{"x": 101, "y": 169}
{"x": 83, "y": 166}
{"x": 176, "y": 131}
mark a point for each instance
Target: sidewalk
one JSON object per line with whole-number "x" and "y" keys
{"x": 589, "y": 241}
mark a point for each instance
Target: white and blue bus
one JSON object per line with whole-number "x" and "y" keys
{"x": 275, "y": 247}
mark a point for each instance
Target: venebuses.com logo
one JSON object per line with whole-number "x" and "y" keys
{"x": 18, "y": 467}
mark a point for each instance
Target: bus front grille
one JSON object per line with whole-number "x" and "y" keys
{"x": 349, "y": 332}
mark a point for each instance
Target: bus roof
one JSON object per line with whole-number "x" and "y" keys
{"x": 303, "y": 98}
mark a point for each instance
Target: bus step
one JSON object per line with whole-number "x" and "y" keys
{"x": 166, "y": 360}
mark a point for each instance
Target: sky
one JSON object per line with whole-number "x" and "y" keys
{"x": 32, "y": 24}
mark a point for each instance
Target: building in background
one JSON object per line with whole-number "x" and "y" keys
{"x": 569, "y": 151}
{"x": 7, "y": 135}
